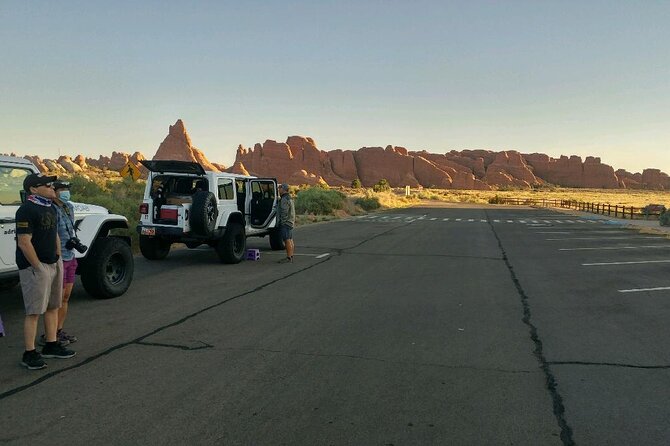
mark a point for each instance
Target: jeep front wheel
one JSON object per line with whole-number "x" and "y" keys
{"x": 108, "y": 268}
{"x": 233, "y": 245}
{"x": 154, "y": 248}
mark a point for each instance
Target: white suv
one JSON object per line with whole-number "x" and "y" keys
{"x": 106, "y": 267}
{"x": 183, "y": 203}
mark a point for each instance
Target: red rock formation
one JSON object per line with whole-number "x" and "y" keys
{"x": 177, "y": 146}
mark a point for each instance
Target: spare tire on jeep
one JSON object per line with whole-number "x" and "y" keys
{"x": 204, "y": 213}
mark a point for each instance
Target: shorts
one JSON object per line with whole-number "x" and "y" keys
{"x": 43, "y": 288}
{"x": 69, "y": 270}
{"x": 286, "y": 232}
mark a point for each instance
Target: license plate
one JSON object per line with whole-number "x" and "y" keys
{"x": 148, "y": 231}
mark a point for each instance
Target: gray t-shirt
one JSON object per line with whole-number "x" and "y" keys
{"x": 286, "y": 210}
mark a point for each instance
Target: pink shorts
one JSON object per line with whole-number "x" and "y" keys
{"x": 69, "y": 270}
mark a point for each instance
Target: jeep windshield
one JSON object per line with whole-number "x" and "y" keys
{"x": 11, "y": 183}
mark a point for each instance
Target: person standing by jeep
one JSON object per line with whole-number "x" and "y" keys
{"x": 40, "y": 268}
{"x": 66, "y": 233}
{"x": 286, "y": 221}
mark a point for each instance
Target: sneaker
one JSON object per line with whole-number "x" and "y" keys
{"x": 42, "y": 340}
{"x": 55, "y": 350}
{"x": 33, "y": 360}
{"x": 286, "y": 260}
{"x": 65, "y": 339}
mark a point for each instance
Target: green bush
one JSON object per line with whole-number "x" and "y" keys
{"x": 119, "y": 197}
{"x": 356, "y": 184}
{"x": 368, "y": 203}
{"x": 664, "y": 219}
{"x": 318, "y": 201}
{"x": 382, "y": 186}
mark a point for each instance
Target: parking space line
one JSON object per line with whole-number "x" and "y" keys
{"x": 553, "y": 232}
{"x": 638, "y": 290}
{"x": 637, "y": 237}
{"x": 321, "y": 256}
{"x": 615, "y": 248}
{"x": 625, "y": 263}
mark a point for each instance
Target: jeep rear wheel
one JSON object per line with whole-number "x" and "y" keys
{"x": 108, "y": 268}
{"x": 233, "y": 245}
{"x": 276, "y": 243}
{"x": 204, "y": 213}
{"x": 154, "y": 248}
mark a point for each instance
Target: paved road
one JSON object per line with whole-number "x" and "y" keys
{"x": 443, "y": 325}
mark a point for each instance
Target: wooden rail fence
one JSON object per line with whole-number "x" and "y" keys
{"x": 615, "y": 210}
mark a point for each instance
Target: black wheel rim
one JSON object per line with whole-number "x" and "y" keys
{"x": 210, "y": 213}
{"x": 115, "y": 269}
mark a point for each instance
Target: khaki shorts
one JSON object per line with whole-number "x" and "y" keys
{"x": 43, "y": 288}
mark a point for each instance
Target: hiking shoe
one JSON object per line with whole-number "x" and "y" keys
{"x": 65, "y": 339}
{"x": 42, "y": 340}
{"x": 33, "y": 360}
{"x": 55, "y": 350}
{"x": 286, "y": 260}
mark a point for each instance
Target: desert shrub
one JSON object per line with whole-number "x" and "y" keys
{"x": 382, "y": 186}
{"x": 664, "y": 219}
{"x": 356, "y": 184}
{"x": 118, "y": 196}
{"x": 368, "y": 203}
{"x": 496, "y": 199}
{"x": 318, "y": 201}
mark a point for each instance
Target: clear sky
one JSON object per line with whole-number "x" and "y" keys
{"x": 557, "y": 77}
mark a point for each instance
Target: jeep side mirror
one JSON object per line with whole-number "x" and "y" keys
{"x": 22, "y": 193}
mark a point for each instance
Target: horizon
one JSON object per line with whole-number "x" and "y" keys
{"x": 556, "y": 78}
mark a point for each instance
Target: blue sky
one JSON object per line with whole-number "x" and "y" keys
{"x": 563, "y": 77}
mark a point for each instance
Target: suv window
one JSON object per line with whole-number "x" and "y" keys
{"x": 11, "y": 182}
{"x": 226, "y": 189}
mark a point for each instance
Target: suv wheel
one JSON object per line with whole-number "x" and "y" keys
{"x": 154, "y": 248}
{"x": 232, "y": 247}
{"x": 108, "y": 268}
{"x": 204, "y": 213}
{"x": 276, "y": 243}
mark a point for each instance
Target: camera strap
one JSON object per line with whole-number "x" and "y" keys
{"x": 68, "y": 225}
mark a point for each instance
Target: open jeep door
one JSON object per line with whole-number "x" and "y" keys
{"x": 261, "y": 203}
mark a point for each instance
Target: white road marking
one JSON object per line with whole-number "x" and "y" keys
{"x": 569, "y": 221}
{"x": 534, "y": 221}
{"x": 553, "y": 232}
{"x": 602, "y": 238}
{"x": 321, "y": 256}
{"x": 546, "y": 221}
{"x": 496, "y": 221}
{"x": 458, "y": 219}
{"x": 637, "y": 290}
{"x": 508, "y": 221}
{"x": 558, "y": 221}
{"x": 482, "y": 221}
{"x": 625, "y": 263}
{"x": 433, "y": 219}
{"x": 445, "y": 219}
{"x": 471, "y": 219}
{"x": 522, "y": 221}
{"x": 615, "y": 247}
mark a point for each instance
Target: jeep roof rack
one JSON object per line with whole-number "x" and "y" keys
{"x": 173, "y": 166}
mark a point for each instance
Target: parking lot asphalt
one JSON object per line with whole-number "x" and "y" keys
{"x": 438, "y": 325}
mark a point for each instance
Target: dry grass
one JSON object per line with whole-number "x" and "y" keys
{"x": 636, "y": 198}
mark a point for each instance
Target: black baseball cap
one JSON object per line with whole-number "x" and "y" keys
{"x": 60, "y": 184}
{"x": 36, "y": 180}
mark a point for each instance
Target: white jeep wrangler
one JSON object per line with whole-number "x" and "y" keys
{"x": 183, "y": 203}
{"x": 106, "y": 267}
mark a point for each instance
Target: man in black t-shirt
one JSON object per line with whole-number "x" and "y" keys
{"x": 40, "y": 268}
